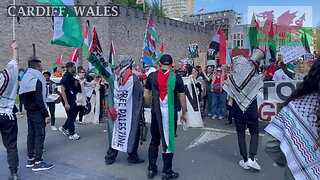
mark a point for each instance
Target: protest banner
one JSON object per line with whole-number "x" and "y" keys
{"x": 309, "y": 57}
{"x": 291, "y": 53}
{"x": 193, "y": 106}
{"x": 271, "y": 97}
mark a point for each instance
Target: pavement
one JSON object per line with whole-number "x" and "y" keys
{"x": 201, "y": 153}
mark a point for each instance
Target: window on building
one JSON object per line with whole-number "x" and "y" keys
{"x": 238, "y": 40}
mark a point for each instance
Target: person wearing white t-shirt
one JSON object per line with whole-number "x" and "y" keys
{"x": 279, "y": 75}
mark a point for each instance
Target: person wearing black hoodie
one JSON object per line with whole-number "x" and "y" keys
{"x": 33, "y": 92}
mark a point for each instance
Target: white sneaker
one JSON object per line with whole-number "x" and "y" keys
{"x": 243, "y": 164}
{"x": 214, "y": 117}
{"x": 253, "y": 164}
{"x": 220, "y": 117}
{"x": 53, "y": 128}
{"x": 64, "y": 132}
{"x": 74, "y": 137}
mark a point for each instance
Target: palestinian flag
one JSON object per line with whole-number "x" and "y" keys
{"x": 219, "y": 44}
{"x": 112, "y": 53}
{"x": 253, "y": 33}
{"x": 74, "y": 56}
{"x": 128, "y": 103}
{"x": 66, "y": 28}
{"x": 97, "y": 58}
{"x": 87, "y": 40}
{"x": 59, "y": 60}
{"x": 163, "y": 103}
{"x": 271, "y": 49}
{"x": 161, "y": 52}
{"x": 306, "y": 37}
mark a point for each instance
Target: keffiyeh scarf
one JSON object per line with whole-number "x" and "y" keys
{"x": 295, "y": 128}
{"x": 8, "y": 88}
{"x": 244, "y": 83}
{"x": 29, "y": 83}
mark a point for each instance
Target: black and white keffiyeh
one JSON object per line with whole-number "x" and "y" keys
{"x": 244, "y": 83}
{"x": 295, "y": 127}
{"x": 8, "y": 88}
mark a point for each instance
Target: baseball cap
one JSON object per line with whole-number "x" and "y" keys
{"x": 166, "y": 59}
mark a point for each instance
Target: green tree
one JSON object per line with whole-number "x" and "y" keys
{"x": 154, "y": 7}
{"x": 317, "y": 37}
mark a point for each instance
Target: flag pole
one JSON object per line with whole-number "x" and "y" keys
{"x": 144, "y": 6}
{"x": 145, "y": 33}
{"x": 13, "y": 24}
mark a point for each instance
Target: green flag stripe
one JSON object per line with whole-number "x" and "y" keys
{"x": 171, "y": 86}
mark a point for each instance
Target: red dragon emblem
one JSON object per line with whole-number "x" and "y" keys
{"x": 285, "y": 28}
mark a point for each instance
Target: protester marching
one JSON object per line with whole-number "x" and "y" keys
{"x": 150, "y": 97}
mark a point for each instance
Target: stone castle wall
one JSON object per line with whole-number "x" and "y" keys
{"x": 126, "y": 32}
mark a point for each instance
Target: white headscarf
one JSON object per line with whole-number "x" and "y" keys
{"x": 29, "y": 83}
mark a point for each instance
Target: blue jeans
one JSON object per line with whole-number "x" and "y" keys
{"x": 218, "y": 101}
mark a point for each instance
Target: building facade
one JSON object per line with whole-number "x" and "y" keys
{"x": 225, "y": 20}
{"x": 176, "y": 9}
{"x": 239, "y": 37}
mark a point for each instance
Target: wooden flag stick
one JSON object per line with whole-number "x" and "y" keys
{"x": 34, "y": 50}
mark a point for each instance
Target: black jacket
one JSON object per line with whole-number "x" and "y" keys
{"x": 33, "y": 101}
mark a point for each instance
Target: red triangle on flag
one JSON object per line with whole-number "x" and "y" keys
{"x": 74, "y": 56}
{"x": 59, "y": 60}
{"x": 162, "y": 47}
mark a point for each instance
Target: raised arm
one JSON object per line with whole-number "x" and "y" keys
{"x": 15, "y": 54}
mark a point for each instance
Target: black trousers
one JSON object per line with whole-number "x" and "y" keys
{"x": 20, "y": 103}
{"x": 52, "y": 110}
{"x": 230, "y": 109}
{"x": 81, "y": 111}
{"x": 175, "y": 121}
{"x": 243, "y": 120}
{"x": 72, "y": 115}
{"x": 113, "y": 153}
{"x": 36, "y": 134}
{"x": 9, "y": 133}
{"x": 154, "y": 148}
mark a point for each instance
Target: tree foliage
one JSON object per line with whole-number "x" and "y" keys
{"x": 317, "y": 37}
{"x": 154, "y": 7}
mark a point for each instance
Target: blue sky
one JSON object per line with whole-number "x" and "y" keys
{"x": 241, "y": 6}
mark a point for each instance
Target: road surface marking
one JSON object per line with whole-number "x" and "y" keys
{"x": 228, "y": 131}
{"x": 205, "y": 137}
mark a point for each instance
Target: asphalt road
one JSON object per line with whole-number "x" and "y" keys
{"x": 201, "y": 153}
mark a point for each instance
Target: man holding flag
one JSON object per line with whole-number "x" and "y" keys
{"x": 167, "y": 88}
{"x": 128, "y": 99}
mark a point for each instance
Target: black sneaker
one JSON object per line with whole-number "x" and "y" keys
{"x": 135, "y": 161}
{"x": 110, "y": 161}
{"x": 14, "y": 177}
{"x": 152, "y": 174}
{"x": 42, "y": 166}
{"x": 172, "y": 175}
{"x": 30, "y": 163}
